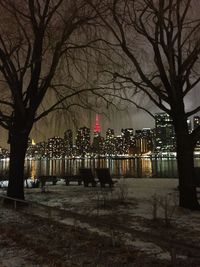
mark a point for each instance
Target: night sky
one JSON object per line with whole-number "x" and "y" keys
{"x": 51, "y": 126}
{"x": 131, "y": 117}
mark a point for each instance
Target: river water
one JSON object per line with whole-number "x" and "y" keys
{"x": 129, "y": 167}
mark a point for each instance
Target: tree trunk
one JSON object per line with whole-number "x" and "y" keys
{"x": 185, "y": 161}
{"x": 18, "y": 145}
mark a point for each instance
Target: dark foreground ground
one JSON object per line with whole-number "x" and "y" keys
{"x": 93, "y": 228}
{"x": 35, "y": 241}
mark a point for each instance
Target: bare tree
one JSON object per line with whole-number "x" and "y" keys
{"x": 38, "y": 41}
{"x": 160, "y": 42}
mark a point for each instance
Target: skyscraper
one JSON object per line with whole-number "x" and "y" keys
{"x": 196, "y": 123}
{"x": 164, "y": 131}
{"x": 56, "y": 147}
{"x": 110, "y": 142}
{"x": 83, "y": 141}
{"x": 144, "y": 140}
{"x": 128, "y": 139}
{"x": 98, "y": 141}
{"x": 68, "y": 142}
{"x": 97, "y": 128}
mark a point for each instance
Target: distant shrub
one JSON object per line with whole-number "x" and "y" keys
{"x": 167, "y": 205}
{"x": 122, "y": 191}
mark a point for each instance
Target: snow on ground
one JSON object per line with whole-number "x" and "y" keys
{"x": 11, "y": 255}
{"x": 83, "y": 200}
{"x": 141, "y": 193}
{"x": 132, "y": 203}
{"x": 141, "y": 196}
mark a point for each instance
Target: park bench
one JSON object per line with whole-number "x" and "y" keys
{"x": 71, "y": 178}
{"x": 104, "y": 177}
{"x": 87, "y": 177}
{"x": 47, "y": 178}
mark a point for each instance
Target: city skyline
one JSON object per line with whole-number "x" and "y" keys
{"x": 102, "y": 121}
{"x": 127, "y": 117}
{"x": 130, "y": 142}
{"x": 90, "y": 142}
{"x": 55, "y": 125}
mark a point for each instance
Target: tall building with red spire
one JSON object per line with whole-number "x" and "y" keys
{"x": 97, "y": 128}
{"x": 98, "y": 141}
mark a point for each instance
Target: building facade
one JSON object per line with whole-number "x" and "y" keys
{"x": 83, "y": 141}
{"x": 164, "y": 133}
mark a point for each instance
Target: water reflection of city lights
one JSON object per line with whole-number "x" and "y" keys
{"x": 33, "y": 142}
{"x": 146, "y": 166}
{"x": 123, "y": 167}
{"x": 33, "y": 170}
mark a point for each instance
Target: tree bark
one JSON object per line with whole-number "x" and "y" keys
{"x": 185, "y": 161}
{"x": 18, "y": 146}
